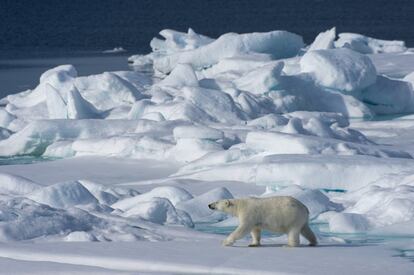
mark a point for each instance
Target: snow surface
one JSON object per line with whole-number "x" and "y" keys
{"x": 141, "y": 154}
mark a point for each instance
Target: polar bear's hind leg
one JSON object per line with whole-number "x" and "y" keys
{"x": 309, "y": 235}
{"x": 256, "y": 232}
{"x": 293, "y": 238}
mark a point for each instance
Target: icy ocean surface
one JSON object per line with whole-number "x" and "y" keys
{"x": 112, "y": 172}
{"x": 103, "y": 25}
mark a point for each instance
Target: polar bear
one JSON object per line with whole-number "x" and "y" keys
{"x": 282, "y": 214}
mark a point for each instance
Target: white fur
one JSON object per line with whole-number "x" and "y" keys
{"x": 277, "y": 214}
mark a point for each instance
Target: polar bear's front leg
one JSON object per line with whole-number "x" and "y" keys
{"x": 239, "y": 233}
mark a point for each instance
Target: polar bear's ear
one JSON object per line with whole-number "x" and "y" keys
{"x": 228, "y": 203}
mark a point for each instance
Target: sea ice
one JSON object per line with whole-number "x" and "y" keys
{"x": 5, "y": 118}
{"x": 63, "y": 195}
{"x": 159, "y": 211}
{"x": 324, "y": 41}
{"x": 15, "y": 185}
{"x": 23, "y": 219}
{"x": 369, "y": 45}
{"x": 389, "y": 96}
{"x": 175, "y": 41}
{"x": 384, "y": 206}
{"x": 348, "y": 223}
{"x": 339, "y": 69}
{"x": 231, "y": 115}
{"x": 174, "y": 194}
{"x": 278, "y": 44}
{"x": 260, "y": 80}
{"x": 107, "y": 90}
{"x": 115, "y": 50}
{"x": 314, "y": 199}
{"x": 198, "y": 209}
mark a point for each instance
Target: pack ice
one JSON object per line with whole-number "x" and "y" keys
{"x": 256, "y": 108}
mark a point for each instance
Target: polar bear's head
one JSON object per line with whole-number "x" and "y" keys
{"x": 222, "y": 205}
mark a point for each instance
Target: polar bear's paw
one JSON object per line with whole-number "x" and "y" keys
{"x": 291, "y": 245}
{"x": 227, "y": 242}
{"x": 254, "y": 245}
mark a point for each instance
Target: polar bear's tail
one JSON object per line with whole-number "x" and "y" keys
{"x": 309, "y": 235}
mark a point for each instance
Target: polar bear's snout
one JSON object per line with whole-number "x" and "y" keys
{"x": 221, "y": 205}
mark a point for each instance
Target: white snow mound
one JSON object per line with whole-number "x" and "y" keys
{"x": 63, "y": 195}
{"x": 339, "y": 69}
{"x": 16, "y": 185}
{"x": 198, "y": 209}
{"x": 172, "y": 193}
{"x": 160, "y": 211}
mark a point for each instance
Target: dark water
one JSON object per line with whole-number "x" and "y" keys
{"x": 49, "y": 27}
{"x": 23, "y": 160}
{"x": 36, "y": 35}
{"x": 20, "y": 74}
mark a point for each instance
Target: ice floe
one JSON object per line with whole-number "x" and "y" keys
{"x": 339, "y": 69}
{"x": 115, "y": 50}
{"x": 369, "y": 45}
